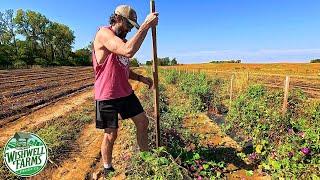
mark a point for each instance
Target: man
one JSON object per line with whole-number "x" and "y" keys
{"x": 113, "y": 93}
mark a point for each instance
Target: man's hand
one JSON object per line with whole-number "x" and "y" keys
{"x": 148, "y": 81}
{"x": 151, "y": 20}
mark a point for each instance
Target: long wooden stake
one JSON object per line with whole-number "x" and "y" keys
{"x": 231, "y": 89}
{"x": 155, "y": 77}
{"x": 286, "y": 95}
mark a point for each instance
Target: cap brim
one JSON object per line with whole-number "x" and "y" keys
{"x": 134, "y": 23}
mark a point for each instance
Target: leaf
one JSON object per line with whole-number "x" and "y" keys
{"x": 205, "y": 166}
{"x": 314, "y": 177}
{"x": 276, "y": 165}
{"x": 196, "y": 156}
{"x": 163, "y": 161}
{"x": 249, "y": 173}
{"x": 266, "y": 166}
{"x": 146, "y": 156}
{"x": 258, "y": 148}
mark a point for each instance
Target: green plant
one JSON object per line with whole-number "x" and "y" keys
{"x": 283, "y": 146}
{"x": 157, "y": 164}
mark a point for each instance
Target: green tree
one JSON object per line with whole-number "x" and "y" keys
{"x": 134, "y": 62}
{"x": 8, "y": 35}
{"x": 315, "y": 61}
{"x": 46, "y": 39}
{"x": 40, "y": 41}
{"x": 82, "y": 57}
{"x": 164, "y": 61}
{"x": 174, "y": 62}
{"x": 4, "y": 55}
{"x": 63, "y": 38}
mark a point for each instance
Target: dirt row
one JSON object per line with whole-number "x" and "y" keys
{"x": 12, "y": 86}
{"x": 38, "y": 100}
{"x": 18, "y": 101}
{"x": 43, "y": 115}
{"x": 21, "y": 73}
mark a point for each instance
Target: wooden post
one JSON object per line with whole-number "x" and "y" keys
{"x": 231, "y": 89}
{"x": 286, "y": 95}
{"x": 155, "y": 77}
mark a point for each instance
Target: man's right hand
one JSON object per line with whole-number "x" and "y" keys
{"x": 151, "y": 20}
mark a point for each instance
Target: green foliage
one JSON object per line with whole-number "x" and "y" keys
{"x": 82, "y": 57}
{"x": 157, "y": 164}
{"x": 5, "y": 51}
{"x": 164, "y": 62}
{"x": 148, "y": 63}
{"x": 19, "y": 64}
{"x": 171, "y": 77}
{"x": 198, "y": 88}
{"x": 283, "y": 146}
{"x": 277, "y": 141}
{"x": 178, "y": 140}
{"x": 41, "y": 61}
{"x": 44, "y": 43}
{"x": 174, "y": 62}
{"x": 315, "y": 61}
{"x": 203, "y": 92}
{"x": 203, "y": 163}
{"x": 134, "y": 62}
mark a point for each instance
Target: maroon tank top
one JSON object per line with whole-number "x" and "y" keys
{"x": 111, "y": 77}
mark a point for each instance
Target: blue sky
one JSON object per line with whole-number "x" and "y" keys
{"x": 198, "y": 31}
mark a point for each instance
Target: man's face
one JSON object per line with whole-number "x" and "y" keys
{"x": 123, "y": 28}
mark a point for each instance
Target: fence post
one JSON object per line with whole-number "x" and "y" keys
{"x": 231, "y": 89}
{"x": 286, "y": 95}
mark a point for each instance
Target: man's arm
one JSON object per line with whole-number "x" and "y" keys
{"x": 129, "y": 48}
{"x": 140, "y": 78}
{"x": 135, "y": 76}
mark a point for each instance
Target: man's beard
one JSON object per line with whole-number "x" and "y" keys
{"x": 121, "y": 34}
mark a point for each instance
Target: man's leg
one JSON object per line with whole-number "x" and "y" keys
{"x": 110, "y": 135}
{"x": 141, "y": 122}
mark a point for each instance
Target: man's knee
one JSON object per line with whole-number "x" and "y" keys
{"x": 141, "y": 121}
{"x": 110, "y": 135}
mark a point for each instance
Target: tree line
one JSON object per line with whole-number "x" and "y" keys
{"x": 227, "y": 61}
{"x": 30, "y": 38}
{"x": 164, "y": 62}
{"x": 315, "y": 61}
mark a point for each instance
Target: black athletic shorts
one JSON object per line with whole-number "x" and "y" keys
{"x": 107, "y": 110}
